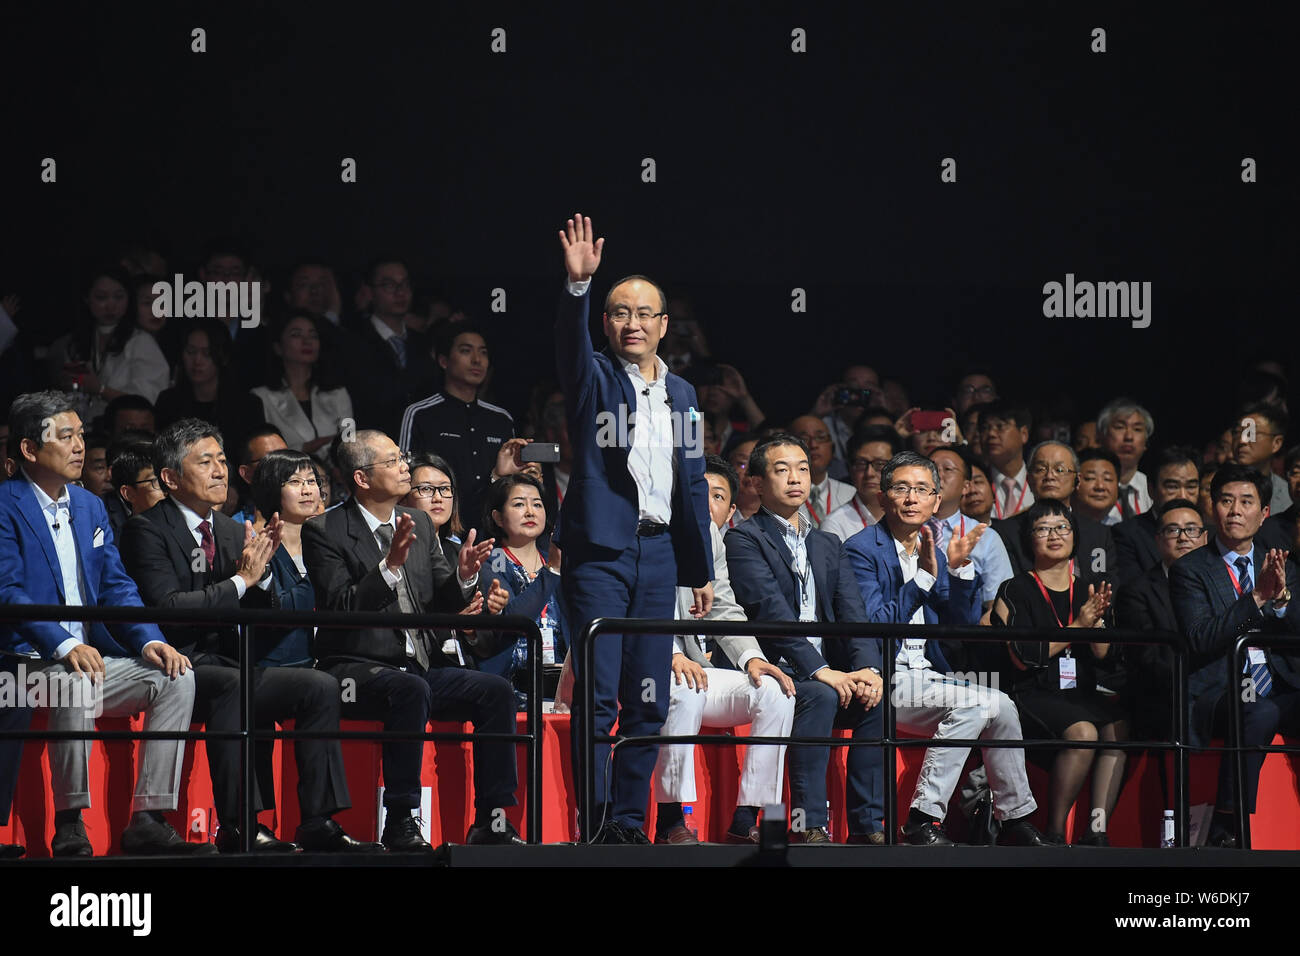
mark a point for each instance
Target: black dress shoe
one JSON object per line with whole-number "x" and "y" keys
{"x": 70, "y": 840}
{"x": 1088, "y": 839}
{"x": 1020, "y": 832}
{"x": 264, "y": 841}
{"x": 633, "y": 836}
{"x": 402, "y": 834}
{"x": 151, "y": 838}
{"x": 486, "y": 836}
{"x": 1222, "y": 838}
{"x": 11, "y": 851}
{"x": 611, "y": 834}
{"x": 930, "y": 833}
{"x": 327, "y": 836}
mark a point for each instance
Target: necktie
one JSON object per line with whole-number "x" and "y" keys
{"x": 1008, "y": 487}
{"x": 399, "y": 346}
{"x": 937, "y": 527}
{"x": 404, "y": 603}
{"x": 208, "y": 544}
{"x": 1125, "y": 509}
{"x": 1259, "y": 675}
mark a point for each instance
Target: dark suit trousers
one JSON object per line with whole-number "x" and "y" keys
{"x": 1261, "y": 719}
{"x": 310, "y": 698}
{"x": 639, "y": 581}
{"x": 406, "y": 701}
{"x": 817, "y": 712}
{"x": 11, "y": 751}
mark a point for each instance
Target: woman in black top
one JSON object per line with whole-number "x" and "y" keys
{"x": 1055, "y": 684}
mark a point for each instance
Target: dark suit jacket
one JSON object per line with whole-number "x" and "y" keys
{"x": 1093, "y": 536}
{"x": 953, "y": 601}
{"x": 380, "y": 388}
{"x": 160, "y": 553}
{"x": 342, "y": 558}
{"x": 1212, "y": 616}
{"x": 1278, "y": 530}
{"x": 762, "y": 575}
{"x": 1135, "y": 546}
{"x": 601, "y": 505}
{"x": 30, "y": 573}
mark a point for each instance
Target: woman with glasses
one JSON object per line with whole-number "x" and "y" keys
{"x": 1054, "y": 683}
{"x": 530, "y": 577}
{"x": 286, "y": 482}
{"x": 297, "y": 398}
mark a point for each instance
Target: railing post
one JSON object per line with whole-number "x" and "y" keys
{"x": 891, "y": 748}
{"x": 1182, "y": 773}
{"x": 534, "y": 821}
{"x": 1237, "y": 735}
{"x": 247, "y": 759}
{"x": 588, "y": 738}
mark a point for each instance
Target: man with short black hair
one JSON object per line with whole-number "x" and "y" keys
{"x": 827, "y": 494}
{"x": 1003, "y": 433}
{"x": 261, "y": 441}
{"x": 129, "y": 413}
{"x": 1259, "y": 432}
{"x": 135, "y": 486}
{"x": 974, "y": 386}
{"x": 1220, "y": 592}
{"x": 869, "y": 451}
{"x": 1136, "y": 547}
{"x": 862, "y": 385}
{"x": 1280, "y": 527}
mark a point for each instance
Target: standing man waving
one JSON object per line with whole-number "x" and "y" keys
{"x": 633, "y": 526}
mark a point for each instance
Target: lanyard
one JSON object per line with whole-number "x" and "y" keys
{"x": 858, "y": 509}
{"x": 1137, "y": 501}
{"x": 1047, "y": 597}
{"x": 1021, "y": 500}
{"x": 817, "y": 519}
{"x": 1236, "y": 583}
{"x": 527, "y": 574}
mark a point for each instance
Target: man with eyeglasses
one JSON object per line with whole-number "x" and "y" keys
{"x": 1144, "y": 603}
{"x": 827, "y": 494}
{"x": 134, "y": 483}
{"x": 989, "y": 556}
{"x": 1124, "y": 427}
{"x": 1258, "y": 433}
{"x": 372, "y": 554}
{"x": 906, "y": 578}
{"x": 842, "y": 418}
{"x": 1234, "y": 587}
{"x": 1003, "y": 433}
{"x": 974, "y": 387}
{"x": 869, "y": 452}
{"x": 634, "y": 525}
{"x": 388, "y": 368}
{"x": 1136, "y": 547}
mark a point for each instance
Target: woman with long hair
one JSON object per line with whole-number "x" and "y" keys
{"x": 297, "y": 398}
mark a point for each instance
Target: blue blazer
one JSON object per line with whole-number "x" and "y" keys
{"x": 762, "y": 575}
{"x": 277, "y": 647}
{"x": 1211, "y": 615}
{"x": 600, "y": 507}
{"x": 30, "y": 574}
{"x": 951, "y": 601}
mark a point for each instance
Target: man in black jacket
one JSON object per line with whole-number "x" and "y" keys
{"x": 184, "y": 553}
{"x": 1136, "y": 548}
{"x": 372, "y": 555}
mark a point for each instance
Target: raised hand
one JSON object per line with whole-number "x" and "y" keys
{"x": 904, "y": 424}
{"x": 475, "y": 606}
{"x": 258, "y": 549}
{"x": 472, "y": 555}
{"x": 1272, "y": 576}
{"x": 961, "y": 546}
{"x": 703, "y": 600}
{"x": 926, "y": 560}
{"x": 400, "y": 546}
{"x": 1093, "y": 609}
{"x": 498, "y": 597}
{"x": 509, "y": 457}
{"x": 582, "y": 250}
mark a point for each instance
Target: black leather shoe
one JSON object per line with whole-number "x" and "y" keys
{"x": 867, "y": 839}
{"x": 402, "y": 834}
{"x": 149, "y": 838}
{"x": 1222, "y": 838}
{"x": 930, "y": 833}
{"x": 328, "y": 837}
{"x": 486, "y": 836}
{"x": 633, "y": 836}
{"x": 1021, "y": 832}
{"x": 1088, "y": 839}
{"x": 264, "y": 841}
{"x": 11, "y": 851}
{"x": 70, "y": 840}
{"x": 611, "y": 834}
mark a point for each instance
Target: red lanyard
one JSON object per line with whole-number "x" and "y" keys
{"x": 559, "y": 494}
{"x": 817, "y": 519}
{"x": 859, "y": 511}
{"x": 529, "y": 575}
{"x": 1137, "y": 501}
{"x": 1236, "y": 584}
{"x": 1021, "y": 500}
{"x": 1047, "y": 597}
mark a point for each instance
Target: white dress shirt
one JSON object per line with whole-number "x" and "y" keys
{"x": 192, "y": 520}
{"x": 847, "y": 520}
{"x": 825, "y": 499}
{"x": 796, "y": 539}
{"x": 911, "y": 652}
{"x": 1018, "y": 499}
{"x": 1138, "y": 497}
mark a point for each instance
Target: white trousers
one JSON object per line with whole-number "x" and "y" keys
{"x": 731, "y": 699}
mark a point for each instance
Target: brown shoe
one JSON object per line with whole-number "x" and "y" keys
{"x": 867, "y": 839}
{"x": 676, "y": 835}
{"x": 816, "y": 836}
{"x": 735, "y": 839}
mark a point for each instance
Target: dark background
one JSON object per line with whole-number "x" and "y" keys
{"x": 775, "y": 170}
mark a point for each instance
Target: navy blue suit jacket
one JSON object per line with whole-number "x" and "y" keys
{"x": 30, "y": 573}
{"x": 762, "y": 575}
{"x": 1212, "y": 616}
{"x": 952, "y": 601}
{"x": 601, "y": 507}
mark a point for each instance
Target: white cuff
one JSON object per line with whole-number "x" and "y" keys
{"x": 577, "y": 288}
{"x": 923, "y": 580}
{"x": 240, "y": 586}
{"x": 467, "y": 583}
{"x": 63, "y": 649}
{"x": 966, "y": 572}
{"x": 391, "y": 578}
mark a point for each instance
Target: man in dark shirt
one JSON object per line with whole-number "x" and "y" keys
{"x": 470, "y": 434}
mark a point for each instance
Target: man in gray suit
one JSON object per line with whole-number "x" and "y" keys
{"x": 759, "y": 693}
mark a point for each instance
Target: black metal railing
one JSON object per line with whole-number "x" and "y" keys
{"x": 890, "y": 741}
{"x": 1238, "y": 749}
{"x": 247, "y": 620}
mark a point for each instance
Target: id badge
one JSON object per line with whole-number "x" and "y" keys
{"x": 1069, "y": 673}
{"x": 548, "y": 644}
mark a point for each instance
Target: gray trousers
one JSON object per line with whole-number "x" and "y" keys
{"x": 131, "y": 685}
{"x": 928, "y": 705}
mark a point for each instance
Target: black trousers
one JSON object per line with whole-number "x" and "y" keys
{"x": 1261, "y": 719}
{"x": 310, "y": 698}
{"x": 406, "y": 700}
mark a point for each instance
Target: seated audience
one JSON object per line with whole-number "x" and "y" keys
{"x": 136, "y": 486}
{"x": 1136, "y": 547}
{"x": 869, "y": 452}
{"x": 747, "y": 498}
{"x": 1259, "y": 433}
{"x": 978, "y": 499}
{"x": 1124, "y": 428}
{"x": 1004, "y": 432}
{"x": 827, "y": 494}
{"x": 207, "y": 387}
{"x": 1098, "y": 488}
{"x": 129, "y": 413}
{"x": 307, "y": 408}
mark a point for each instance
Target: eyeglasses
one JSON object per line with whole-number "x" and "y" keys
{"x": 297, "y": 484}
{"x": 862, "y": 464}
{"x": 432, "y": 491}
{"x": 1192, "y": 531}
{"x": 151, "y": 482}
{"x": 1057, "y": 470}
{"x": 388, "y": 285}
{"x": 389, "y": 462}
{"x": 820, "y": 438}
{"x": 993, "y": 426}
{"x": 645, "y": 315}
{"x": 902, "y": 491}
{"x": 985, "y": 391}
{"x": 1047, "y": 531}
